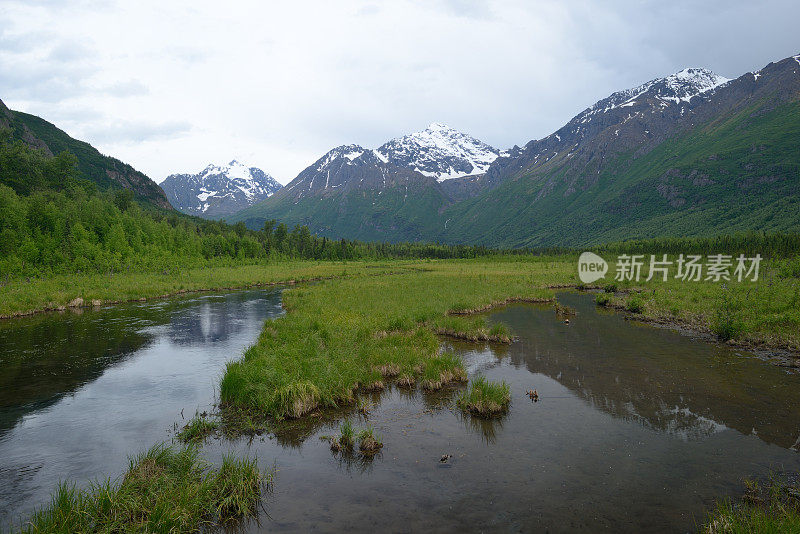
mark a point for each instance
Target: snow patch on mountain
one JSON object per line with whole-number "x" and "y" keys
{"x": 675, "y": 88}
{"x": 440, "y": 152}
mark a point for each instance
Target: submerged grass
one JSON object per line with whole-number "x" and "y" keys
{"x": 484, "y": 398}
{"x": 165, "y": 489}
{"x": 198, "y": 428}
{"x": 770, "y": 508}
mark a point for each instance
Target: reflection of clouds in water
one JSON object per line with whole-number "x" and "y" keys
{"x": 479, "y": 360}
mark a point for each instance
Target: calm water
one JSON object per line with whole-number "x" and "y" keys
{"x": 638, "y": 428}
{"x": 80, "y": 392}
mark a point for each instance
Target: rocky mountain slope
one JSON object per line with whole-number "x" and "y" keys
{"x": 219, "y": 190}
{"x": 692, "y": 153}
{"x": 439, "y": 152}
{"x": 387, "y": 193}
{"x": 106, "y": 172}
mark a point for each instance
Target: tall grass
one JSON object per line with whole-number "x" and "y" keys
{"x": 164, "y": 490}
{"x": 344, "y": 335}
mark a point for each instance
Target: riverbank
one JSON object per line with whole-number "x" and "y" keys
{"x": 21, "y": 297}
{"x": 762, "y": 316}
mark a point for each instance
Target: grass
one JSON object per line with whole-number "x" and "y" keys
{"x": 22, "y": 296}
{"x": 197, "y": 429}
{"x": 368, "y": 443}
{"x": 164, "y": 490}
{"x": 484, "y": 398}
{"x": 771, "y": 508}
{"x": 366, "y": 440}
{"x": 359, "y": 333}
{"x": 346, "y": 335}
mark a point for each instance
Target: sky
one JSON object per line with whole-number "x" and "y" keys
{"x": 173, "y": 86}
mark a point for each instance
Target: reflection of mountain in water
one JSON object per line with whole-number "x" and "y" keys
{"x": 46, "y": 357}
{"x": 214, "y": 319}
{"x": 658, "y": 378}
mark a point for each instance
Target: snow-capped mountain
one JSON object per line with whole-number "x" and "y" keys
{"x": 435, "y": 154}
{"x": 645, "y": 114}
{"x": 219, "y": 190}
{"x": 440, "y": 152}
{"x": 673, "y": 89}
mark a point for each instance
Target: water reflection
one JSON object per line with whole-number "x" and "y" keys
{"x": 79, "y": 392}
{"x": 658, "y": 378}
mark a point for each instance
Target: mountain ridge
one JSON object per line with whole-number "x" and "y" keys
{"x": 591, "y": 155}
{"x": 104, "y": 171}
{"x": 219, "y": 190}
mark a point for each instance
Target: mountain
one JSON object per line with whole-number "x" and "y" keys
{"x": 390, "y": 193}
{"x": 104, "y": 171}
{"x": 439, "y": 152}
{"x": 690, "y": 154}
{"x": 219, "y": 190}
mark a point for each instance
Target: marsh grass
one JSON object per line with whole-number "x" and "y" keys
{"x": 562, "y": 310}
{"x": 602, "y": 299}
{"x": 198, "y": 429}
{"x": 484, "y": 398}
{"x": 635, "y": 304}
{"x": 345, "y": 336}
{"x": 727, "y": 322}
{"x": 773, "y": 507}
{"x": 368, "y": 443}
{"x": 164, "y": 490}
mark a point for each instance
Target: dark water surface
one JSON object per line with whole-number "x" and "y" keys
{"x": 79, "y": 392}
{"x": 638, "y": 428}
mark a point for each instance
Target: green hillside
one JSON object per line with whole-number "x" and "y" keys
{"x": 736, "y": 173}
{"x": 105, "y": 172}
{"x": 395, "y": 214}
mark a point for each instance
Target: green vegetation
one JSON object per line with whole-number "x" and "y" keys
{"x": 634, "y": 304}
{"x": 770, "y": 508}
{"x": 731, "y": 175}
{"x": 368, "y": 443}
{"x": 484, "y": 398}
{"x": 345, "y": 334}
{"x": 197, "y": 429}
{"x": 164, "y": 490}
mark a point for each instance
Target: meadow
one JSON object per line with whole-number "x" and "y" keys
{"x": 365, "y": 324}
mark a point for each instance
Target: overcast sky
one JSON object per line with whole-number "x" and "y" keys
{"x": 170, "y": 86}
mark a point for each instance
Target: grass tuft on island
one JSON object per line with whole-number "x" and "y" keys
{"x": 198, "y": 429}
{"x": 165, "y": 489}
{"x": 484, "y": 398}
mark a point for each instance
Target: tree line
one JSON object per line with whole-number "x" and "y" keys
{"x": 53, "y": 222}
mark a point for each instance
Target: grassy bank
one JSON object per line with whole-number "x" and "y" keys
{"x": 164, "y": 490}
{"x": 359, "y": 332}
{"x": 765, "y": 313}
{"x": 770, "y": 507}
{"x": 22, "y": 296}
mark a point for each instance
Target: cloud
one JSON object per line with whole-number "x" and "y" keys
{"x": 175, "y": 85}
{"x": 137, "y": 131}
{"x": 124, "y": 89}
